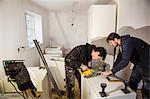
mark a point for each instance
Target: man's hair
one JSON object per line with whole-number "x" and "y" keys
{"x": 112, "y": 36}
{"x": 102, "y": 51}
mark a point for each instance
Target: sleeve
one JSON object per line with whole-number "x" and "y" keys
{"x": 124, "y": 58}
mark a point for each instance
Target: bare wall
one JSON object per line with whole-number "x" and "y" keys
{"x": 13, "y": 31}
{"x": 134, "y": 13}
{"x": 63, "y": 32}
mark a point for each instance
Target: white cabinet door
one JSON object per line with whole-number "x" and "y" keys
{"x": 58, "y": 71}
{"x": 102, "y": 21}
{"x": 86, "y": 90}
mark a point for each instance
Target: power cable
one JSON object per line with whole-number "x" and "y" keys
{"x": 17, "y": 90}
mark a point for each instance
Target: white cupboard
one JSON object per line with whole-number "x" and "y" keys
{"x": 101, "y": 21}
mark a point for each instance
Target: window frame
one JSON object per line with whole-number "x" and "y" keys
{"x": 35, "y": 28}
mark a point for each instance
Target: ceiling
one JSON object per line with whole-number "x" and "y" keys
{"x": 68, "y": 4}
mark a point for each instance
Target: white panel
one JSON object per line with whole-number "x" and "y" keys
{"x": 57, "y": 67}
{"x": 8, "y": 87}
{"x": 37, "y": 76}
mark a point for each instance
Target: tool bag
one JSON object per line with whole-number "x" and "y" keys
{"x": 17, "y": 71}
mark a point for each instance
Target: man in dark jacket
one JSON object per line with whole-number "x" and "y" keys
{"x": 78, "y": 56}
{"x": 137, "y": 51}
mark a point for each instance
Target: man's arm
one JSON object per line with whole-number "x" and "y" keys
{"x": 127, "y": 50}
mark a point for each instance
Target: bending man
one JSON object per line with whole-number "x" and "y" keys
{"x": 80, "y": 55}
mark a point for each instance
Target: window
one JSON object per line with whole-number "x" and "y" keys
{"x": 33, "y": 27}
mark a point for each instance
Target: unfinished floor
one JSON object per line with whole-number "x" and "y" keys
{"x": 54, "y": 95}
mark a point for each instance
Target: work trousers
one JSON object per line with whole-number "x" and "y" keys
{"x": 138, "y": 74}
{"x": 70, "y": 81}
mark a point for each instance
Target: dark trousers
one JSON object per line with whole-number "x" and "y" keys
{"x": 146, "y": 80}
{"x": 70, "y": 81}
{"x": 135, "y": 78}
{"x": 137, "y": 75}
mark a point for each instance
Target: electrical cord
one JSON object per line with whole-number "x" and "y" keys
{"x": 17, "y": 90}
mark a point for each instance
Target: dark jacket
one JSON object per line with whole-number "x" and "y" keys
{"x": 134, "y": 50}
{"x": 79, "y": 55}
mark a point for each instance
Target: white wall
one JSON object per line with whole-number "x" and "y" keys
{"x": 13, "y": 31}
{"x": 134, "y": 13}
{"x": 62, "y": 32}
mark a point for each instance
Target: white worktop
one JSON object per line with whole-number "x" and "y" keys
{"x": 113, "y": 89}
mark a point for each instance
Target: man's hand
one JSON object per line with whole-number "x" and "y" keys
{"x": 84, "y": 67}
{"x": 106, "y": 73}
